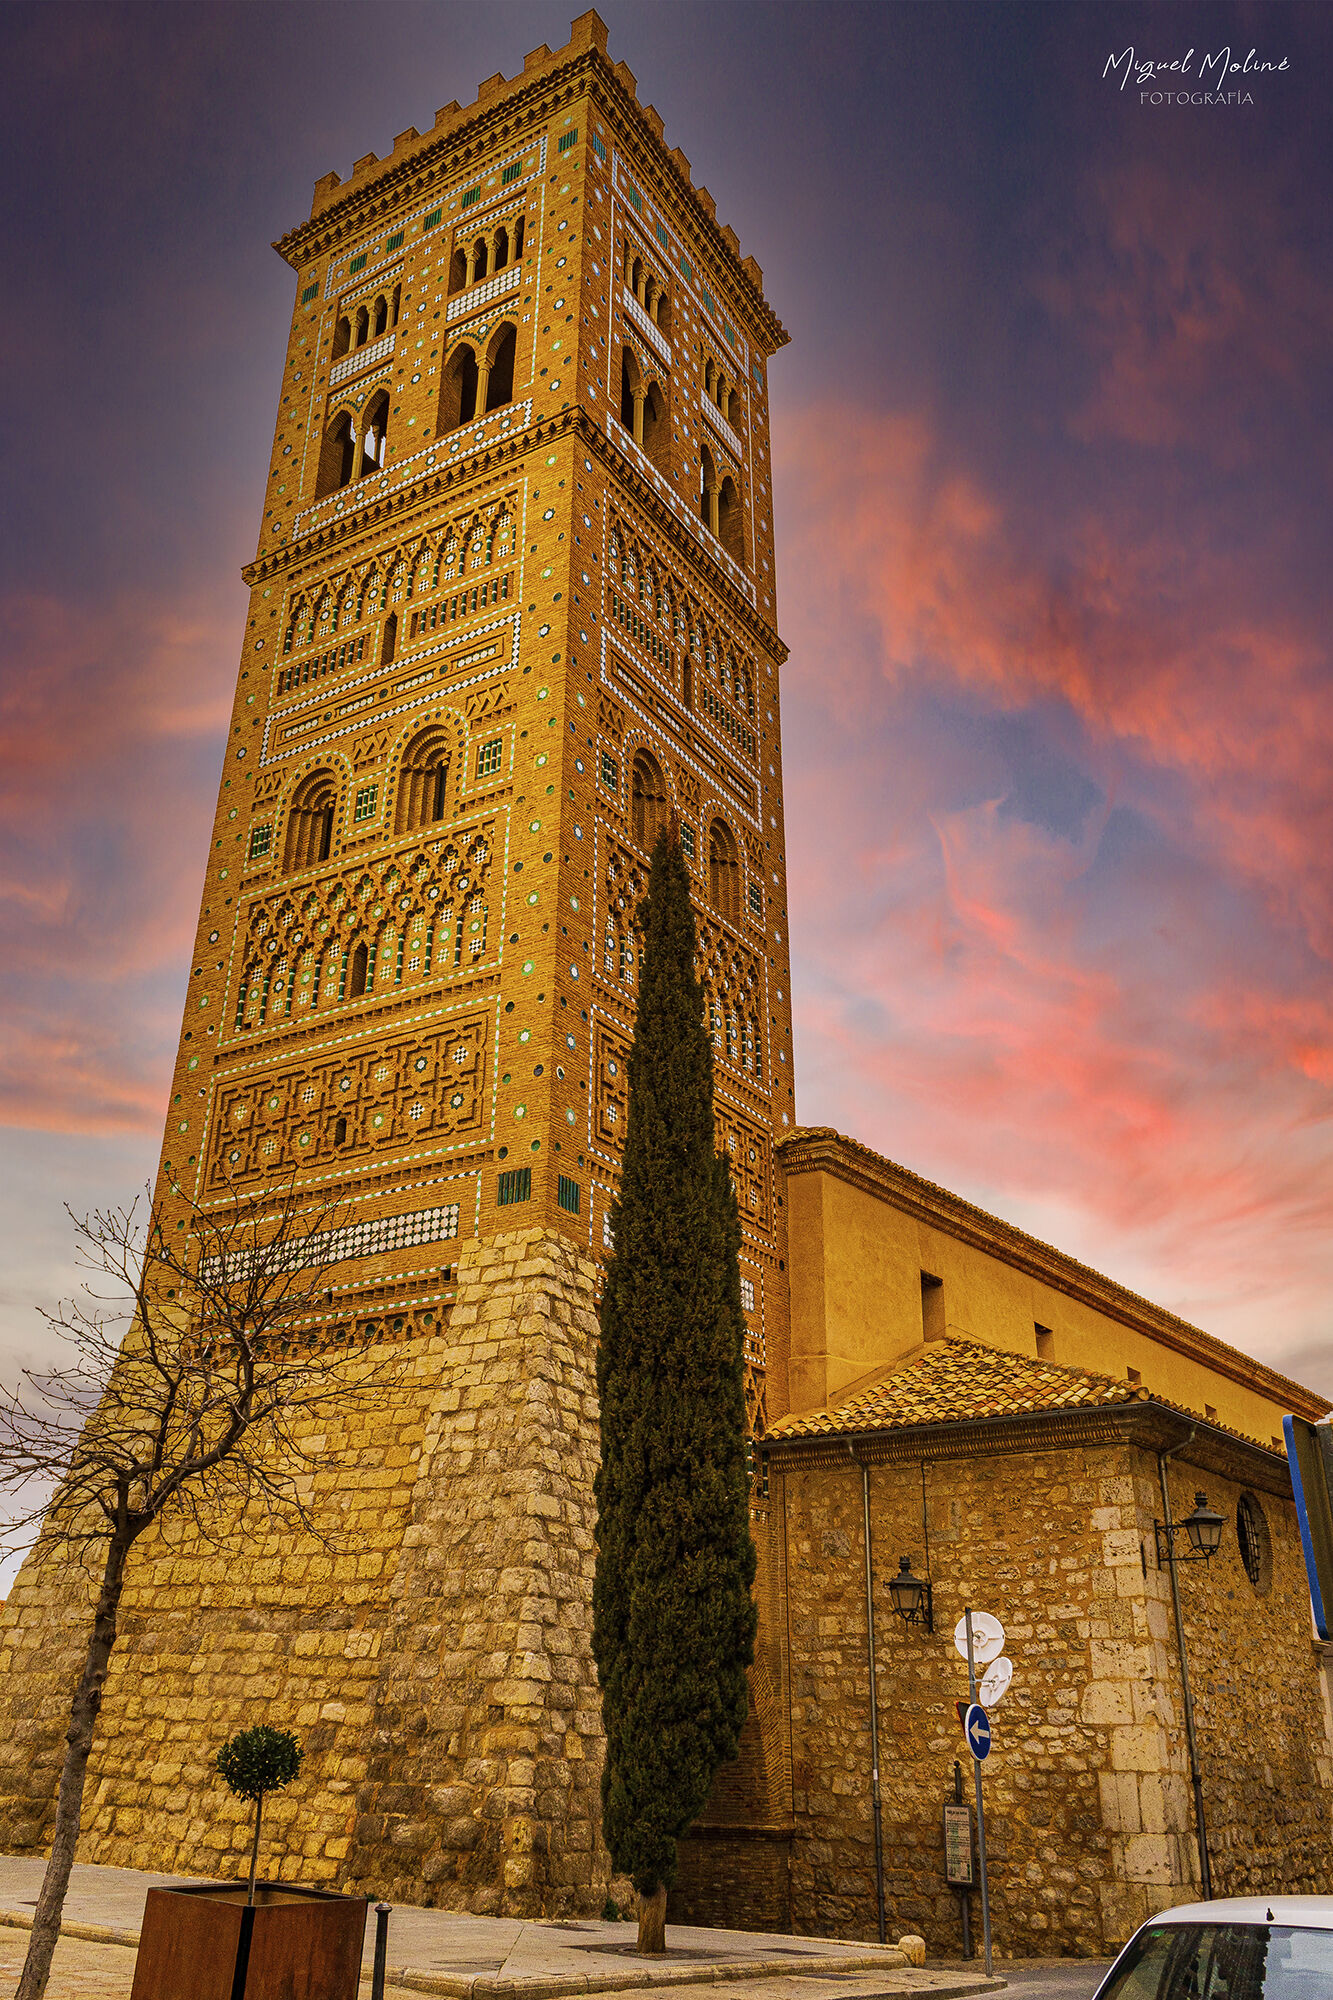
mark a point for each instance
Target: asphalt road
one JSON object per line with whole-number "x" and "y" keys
{"x": 1040, "y": 1978}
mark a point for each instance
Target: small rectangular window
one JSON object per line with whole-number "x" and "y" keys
{"x": 1045, "y": 1342}
{"x": 756, "y": 900}
{"x": 511, "y": 172}
{"x": 610, "y": 771}
{"x": 365, "y": 801}
{"x": 309, "y": 293}
{"x": 567, "y": 1194}
{"x": 395, "y": 242}
{"x": 747, "y": 1294}
{"x": 359, "y": 263}
{"x": 516, "y": 1185}
{"x": 429, "y": 221}
{"x": 1133, "y": 1377}
{"x": 1210, "y": 1413}
{"x": 932, "y": 1307}
{"x": 687, "y": 842}
{"x": 488, "y": 758}
{"x": 599, "y": 148}
{"x": 472, "y": 196}
{"x": 260, "y": 841}
{"x": 568, "y": 139}
{"x": 634, "y": 195}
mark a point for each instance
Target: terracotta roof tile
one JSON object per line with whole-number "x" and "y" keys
{"x": 958, "y": 1381}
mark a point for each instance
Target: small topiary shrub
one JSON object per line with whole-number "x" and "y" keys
{"x": 254, "y": 1762}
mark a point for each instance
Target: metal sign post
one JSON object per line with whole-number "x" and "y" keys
{"x": 981, "y": 1810}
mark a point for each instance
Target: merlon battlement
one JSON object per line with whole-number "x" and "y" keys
{"x": 587, "y": 41}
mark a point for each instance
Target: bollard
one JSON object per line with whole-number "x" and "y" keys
{"x": 381, "y": 1950}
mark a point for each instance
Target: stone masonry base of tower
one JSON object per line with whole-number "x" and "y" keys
{"x": 437, "y": 1668}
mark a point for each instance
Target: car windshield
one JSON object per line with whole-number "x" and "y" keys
{"x": 1224, "y": 1962}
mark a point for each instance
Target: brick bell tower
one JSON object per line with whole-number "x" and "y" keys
{"x": 513, "y": 604}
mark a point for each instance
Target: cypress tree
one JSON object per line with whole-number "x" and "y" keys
{"x": 673, "y": 1619}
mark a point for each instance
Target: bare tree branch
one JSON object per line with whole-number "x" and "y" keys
{"x": 201, "y": 1363}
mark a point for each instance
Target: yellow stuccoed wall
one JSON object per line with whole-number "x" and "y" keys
{"x": 863, "y": 1231}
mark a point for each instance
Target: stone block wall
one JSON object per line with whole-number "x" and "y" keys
{"x": 1088, "y": 1808}
{"x": 437, "y": 1667}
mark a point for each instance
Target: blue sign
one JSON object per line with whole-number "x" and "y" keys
{"x": 976, "y": 1728}
{"x": 1310, "y": 1461}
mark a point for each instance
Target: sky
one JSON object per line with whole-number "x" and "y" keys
{"x": 1052, "y": 445}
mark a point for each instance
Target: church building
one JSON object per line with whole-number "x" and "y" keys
{"x": 513, "y": 604}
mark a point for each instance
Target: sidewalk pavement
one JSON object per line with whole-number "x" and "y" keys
{"x": 493, "y": 1958}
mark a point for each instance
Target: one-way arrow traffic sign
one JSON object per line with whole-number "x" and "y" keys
{"x": 976, "y": 1728}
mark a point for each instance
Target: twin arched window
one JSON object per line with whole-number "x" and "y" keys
{"x": 473, "y": 383}
{"x": 643, "y": 409}
{"x": 423, "y": 800}
{"x": 356, "y": 444}
{"x": 720, "y": 507}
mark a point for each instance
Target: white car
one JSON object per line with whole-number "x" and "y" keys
{"x": 1240, "y": 1948}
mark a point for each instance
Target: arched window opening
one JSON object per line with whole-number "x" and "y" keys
{"x": 457, "y": 270}
{"x": 500, "y": 380}
{"x": 381, "y": 315}
{"x": 662, "y": 312}
{"x": 397, "y": 302}
{"x": 520, "y": 231}
{"x": 636, "y": 279}
{"x": 501, "y": 257}
{"x": 730, "y": 525}
{"x": 476, "y": 263}
{"x": 423, "y": 782}
{"x": 362, "y": 325}
{"x": 708, "y": 496}
{"x": 656, "y": 428}
{"x": 337, "y": 456}
{"x": 375, "y": 439}
{"x": 342, "y": 337}
{"x": 648, "y": 801}
{"x": 389, "y": 643}
{"x": 357, "y": 972}
{"x": 710, "y": 380}
{"x": 310, "y": 822}
{"x": 458, "y": 391}
{"x": 340, "y": 1133}
{"x": 632, "y": 394}
{"x": 724, "y": 871}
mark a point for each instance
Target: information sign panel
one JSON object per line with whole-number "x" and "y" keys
{"x": 958, "y": 1846}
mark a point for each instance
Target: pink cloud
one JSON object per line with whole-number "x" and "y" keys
{"x": 109, "y": 724}
{"x": 1135, "y": 1045}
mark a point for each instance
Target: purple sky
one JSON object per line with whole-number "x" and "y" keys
{"x": 1052, "y": 443}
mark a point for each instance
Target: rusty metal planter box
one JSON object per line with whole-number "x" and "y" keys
{"x": 207, "y": 1943}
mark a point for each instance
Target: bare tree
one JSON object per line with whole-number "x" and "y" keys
{"x": 201, "y": 1356}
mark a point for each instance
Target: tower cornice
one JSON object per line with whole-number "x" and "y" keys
{"x": 466, "y": 133}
